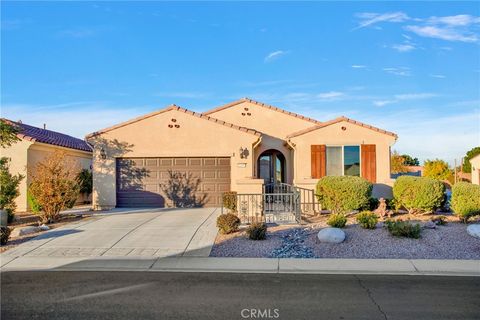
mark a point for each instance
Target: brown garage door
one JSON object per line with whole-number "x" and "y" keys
{"x": 172, "y": 182}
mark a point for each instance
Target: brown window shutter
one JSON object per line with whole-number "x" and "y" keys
{"x": 369, "y": 162}
{"x": 318, "y": 161}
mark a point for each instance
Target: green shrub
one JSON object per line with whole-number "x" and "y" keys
{"x": 230, "y": 201}
{"x": 399, "y": 228}
{"x": 372, "y": 204}
{"x": 228, "y": 223}
{"x": 85, "y": 181}
{"x": 367, "y": 219}
{"x": 33, "y": 204}
{"x": 418, "y": 194}
{"x": 392, "y": 204}
{"x": 337, "y": 220}
{"x": 257, "y": 231}
{"x": 5, "y": 234}
{"x": 465, "y": 200}
{"x": 9, "y": 188}
{"x": 343, "y": 194}
{"x": 439, "y": 220}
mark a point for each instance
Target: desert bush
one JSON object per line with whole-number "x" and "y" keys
{"x": 8, "y": 188}
{"x": 228, "y": 223}
{"x": 367, "y": 219}
{"x": 5, "y": 234}
{"x": 230, "y": 201}
{"x": 465, "y": 200}
{"x": 257, "y": 231}
{"x": 399, "y": 228}
{"x": 439, "y": 220}
{"x": 418, "y": 194}
{"x": 343, "y": 194}
{"x": 337, "y": 220}
{"x": 54, "y": 185}
{"x": 85, "y": 182}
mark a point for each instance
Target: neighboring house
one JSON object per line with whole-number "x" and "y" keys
{"x": 415, "y": 171}
{"x": 237, "y": 147}
{"x": 475, "y": 162}
{"x": 34, "y": 146}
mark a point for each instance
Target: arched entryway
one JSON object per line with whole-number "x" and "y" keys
{"x": 271, "y": 166}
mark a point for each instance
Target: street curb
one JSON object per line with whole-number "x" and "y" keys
{"x": 249, "y": 265}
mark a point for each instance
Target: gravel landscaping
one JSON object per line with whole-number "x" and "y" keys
{"x": 450, "y": 241}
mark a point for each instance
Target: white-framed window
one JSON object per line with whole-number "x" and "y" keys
{"x": 343, "y": 160}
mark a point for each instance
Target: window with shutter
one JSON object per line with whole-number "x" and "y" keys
{"x": 318, "y": 161}
{"x": 369, "y": 162}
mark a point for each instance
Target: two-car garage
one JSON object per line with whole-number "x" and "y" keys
{"x": 172, "y": 181}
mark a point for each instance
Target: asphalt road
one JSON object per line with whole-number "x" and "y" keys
{"x": 155, "y": 295}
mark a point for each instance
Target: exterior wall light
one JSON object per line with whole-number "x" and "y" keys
{"x": 103, "y": 154}
{"x": 243, "y": 153}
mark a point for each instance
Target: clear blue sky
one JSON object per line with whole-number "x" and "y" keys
{"x": 406, "y": 67}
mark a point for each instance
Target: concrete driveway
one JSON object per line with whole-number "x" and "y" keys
{"x": 128, "y": 233}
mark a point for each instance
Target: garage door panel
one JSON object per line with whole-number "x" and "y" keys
{"x": 166, "y": 162}
{"x": 224, "y": 162}
{"x": 195, "y": 162}
{"x": 151, "y": 162}
{"x": 180, "y": 161}
{"x": 143, "y": 181}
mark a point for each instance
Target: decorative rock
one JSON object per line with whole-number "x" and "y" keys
{"x": 293, "y": 245}
{"x": 44, "y": 227}
{"x": 331, "y": 235}
{"x": 474, "y": 230}
{"x": 429, "y": 225}
{"x": 21, "y": 231}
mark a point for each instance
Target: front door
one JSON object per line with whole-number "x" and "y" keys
{"x": 271, "y": 166}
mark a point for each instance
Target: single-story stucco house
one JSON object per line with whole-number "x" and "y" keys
{"x": 475, "y": 162}
{"x": 236, "y": 147}
{"x": 35, "y": 145}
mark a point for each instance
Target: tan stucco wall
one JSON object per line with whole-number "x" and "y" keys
{"x": 333, "y": 135}
{"x": 267, "y": 121}
{"x": 26, "y": 154}
{"x": 475, "y": 162}
{"x": 151, "y": 137}
{"x": 18, "y": 165}
{"x": 274, "y": 125}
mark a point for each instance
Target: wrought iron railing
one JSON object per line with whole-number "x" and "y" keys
{"x": 277, "y": 187}
{"x": 308, "y": 201}
{"x": 279, "y": 202}
{"x": 249, "y": 207}
{"x": 268, "y": 207}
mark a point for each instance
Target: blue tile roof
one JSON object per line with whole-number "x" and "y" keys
{"x": 32, "y": 133}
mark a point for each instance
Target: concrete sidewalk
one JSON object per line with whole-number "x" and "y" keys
{"x": 249, "y": 265}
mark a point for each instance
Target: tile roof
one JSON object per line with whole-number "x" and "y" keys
{"x": 175, "y": 107}
{"x": 340, "y": 119}
{"x": 234, "y": 103}
{"x": 32, "y": 133}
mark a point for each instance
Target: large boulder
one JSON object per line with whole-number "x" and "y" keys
{"x": 331, "y": 235}
{"x": 474, "y": 230}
